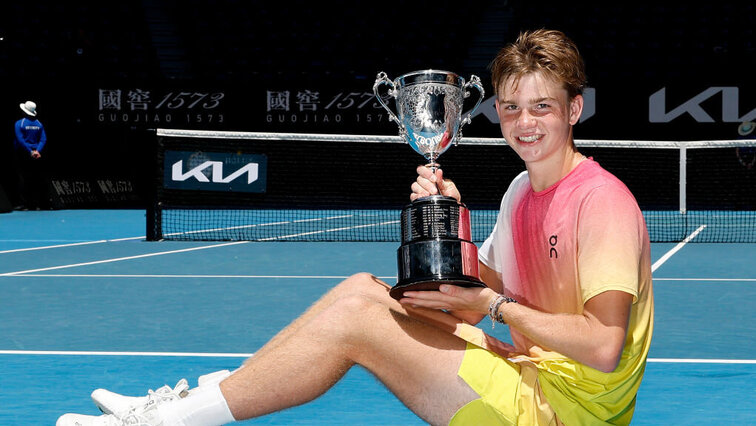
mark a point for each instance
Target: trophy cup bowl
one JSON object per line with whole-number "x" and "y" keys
{"x": 436, "y": 247}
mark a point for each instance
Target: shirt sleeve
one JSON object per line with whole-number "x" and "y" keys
{"x": 42, "y": 138}
{"x": 20, "y": 139}
{"x": 498, "y": 245}
{"x": 486, "y": 252}
{"x": 610, "y": 230}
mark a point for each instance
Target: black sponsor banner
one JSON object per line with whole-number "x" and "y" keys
{"x": 674, "y": 111}
{"x": 215, "y": 171}
{"x": 83, "y": 192}
{"x": 160, "y": 107}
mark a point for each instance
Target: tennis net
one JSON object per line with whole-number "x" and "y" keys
{"x": 256, "y": 186}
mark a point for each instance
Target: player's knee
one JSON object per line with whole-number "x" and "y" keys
{"x": 361, "y": 283}
{"x": 360, "y": 291}
{"x": 345, "y": 318}
{"x": 353, "y": 304}
{"x": 362, "y": 278}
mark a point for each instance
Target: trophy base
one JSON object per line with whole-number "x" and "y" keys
{"x": 426, "y": 264}
{"x": 398, "y": 290}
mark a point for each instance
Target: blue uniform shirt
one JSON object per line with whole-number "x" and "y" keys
{"x": 30, "y": 135}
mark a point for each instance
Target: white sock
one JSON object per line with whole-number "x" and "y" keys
{"x": 213, "y": 378}
{"x": 204, "y": 407}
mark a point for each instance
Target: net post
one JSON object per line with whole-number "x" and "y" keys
{"x": 154, "y": 213}
{"x": 683, "y": 179}
{"x": 154, "y": 222}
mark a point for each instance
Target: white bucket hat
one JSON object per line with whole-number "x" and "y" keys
{"x": 29, "y": 107}
{"x": 746, "y": 128}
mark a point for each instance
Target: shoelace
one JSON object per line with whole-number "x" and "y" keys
{"x": 135, "y": 419}
{"x": 134, "y": 416}
{"x": 166, "y": 393}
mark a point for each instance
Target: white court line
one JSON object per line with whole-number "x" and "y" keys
{"x": 111, "y": 353}
{"x": 255, "y": 225}
{"x": 243, "y": 355}
{"x": 327, "y": 230}
{"x": 118, "y": 259}
{"x": 702, "y": 361}
{"x": 83, "y": 243}
{"x": 706, "y": 279}
{"x": 192, "y": 249}
{"x": 304, "y": 277}
{"x": 676, "y": 248}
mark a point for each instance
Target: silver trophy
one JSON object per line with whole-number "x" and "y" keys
{"x": 436, "y": 246}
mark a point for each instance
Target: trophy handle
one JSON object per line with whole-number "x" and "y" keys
{"x": 474, "y": 82}
{"x": 381, "y": 79}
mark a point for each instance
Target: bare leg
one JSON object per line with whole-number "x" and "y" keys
{"x": 311, "y": 313}
{"x": 355, "y": 323}
{"x": 365, "y": 284}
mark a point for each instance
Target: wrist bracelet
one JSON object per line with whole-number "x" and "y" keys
{"x": 493, "y": 309}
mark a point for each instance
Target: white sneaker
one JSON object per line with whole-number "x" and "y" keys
{"x": 146, "y": 415}
{"x": 71, "y": 419}
{"x": 110, "y": 402}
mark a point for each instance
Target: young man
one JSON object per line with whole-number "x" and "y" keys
{"x": 567, "y": 267}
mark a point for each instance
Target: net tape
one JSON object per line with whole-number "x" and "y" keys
{"x": 338, "y": 137}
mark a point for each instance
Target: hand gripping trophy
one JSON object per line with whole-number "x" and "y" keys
{"x": 436, "y": 247}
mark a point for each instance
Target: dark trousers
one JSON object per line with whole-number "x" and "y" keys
{"x": 32, "y": 182}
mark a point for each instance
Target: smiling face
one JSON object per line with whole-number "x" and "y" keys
{"x": 536, "y": 118}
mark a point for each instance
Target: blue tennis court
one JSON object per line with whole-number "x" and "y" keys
{"x": 85, "y": 302}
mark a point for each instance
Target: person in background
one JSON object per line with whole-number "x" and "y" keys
{"x": 29, "y": 143}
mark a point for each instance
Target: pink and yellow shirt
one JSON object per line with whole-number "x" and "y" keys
{"x": 557, "y": 248}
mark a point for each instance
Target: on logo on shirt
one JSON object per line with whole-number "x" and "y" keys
{"x": 553, "y": 251}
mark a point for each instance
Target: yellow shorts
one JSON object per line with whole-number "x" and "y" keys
{"x": 509, "y": 392}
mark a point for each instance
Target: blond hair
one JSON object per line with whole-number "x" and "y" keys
{"x": 550, "y": 52}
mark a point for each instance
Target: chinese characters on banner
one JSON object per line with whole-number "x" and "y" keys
{"x": 147, "y": 107}
{"x": 304, "y": 107}
{"x": 334, "y": 109}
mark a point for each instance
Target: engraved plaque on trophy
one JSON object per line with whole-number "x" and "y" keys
{"x": 436, "y": 239}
